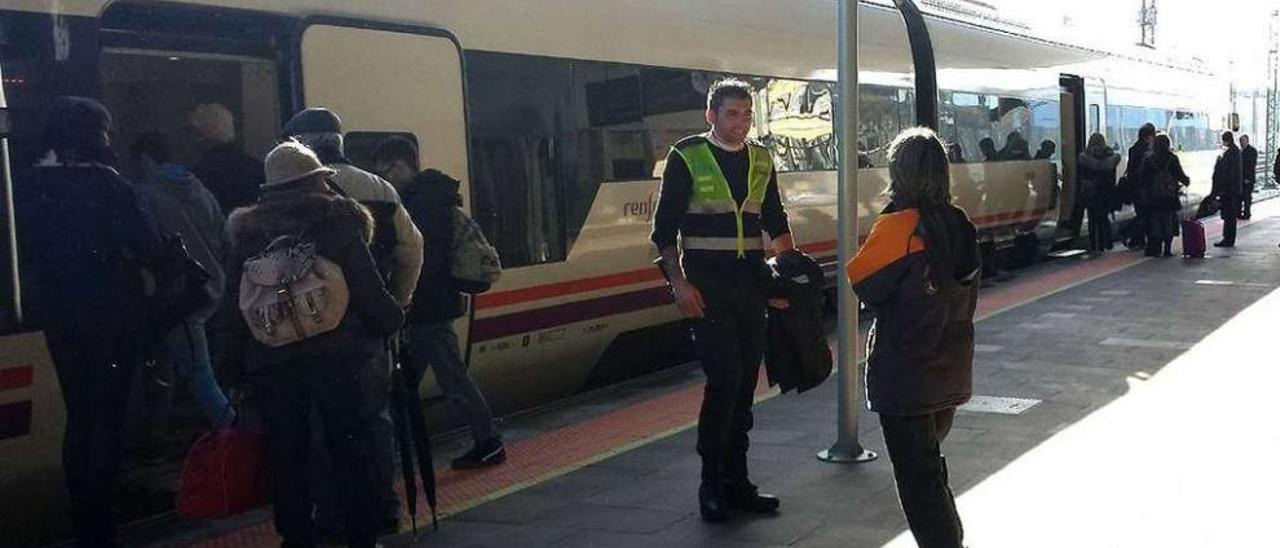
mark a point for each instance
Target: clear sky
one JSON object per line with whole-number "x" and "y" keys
{"x": 1216, "y": 31}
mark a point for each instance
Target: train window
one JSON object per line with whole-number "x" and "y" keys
{"x": 1095, "y": 118}
{"x": 971, "y": 120}
{"x": 796, "y": 124}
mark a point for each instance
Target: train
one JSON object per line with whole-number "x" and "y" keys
{"x": 557, "y": 116}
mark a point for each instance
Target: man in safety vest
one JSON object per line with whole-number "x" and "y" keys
{"x": 719, "y": 194}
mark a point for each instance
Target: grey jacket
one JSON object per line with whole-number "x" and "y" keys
{"x": 406, "y": 250}
{"x": 182, "y": 205}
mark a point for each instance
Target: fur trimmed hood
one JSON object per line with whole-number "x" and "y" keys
{"x": 280, "y": 213}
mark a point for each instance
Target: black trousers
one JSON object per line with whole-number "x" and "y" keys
{"x": 1099, "y": 226}
{"x": 343, "y": 384}
{"x": 920, "y": 471}
{"x": 1246, "y": 201}
{"x": 1230, "y": 217}
{"x": 730, "y": 340}
{"x": 96, "y": 383}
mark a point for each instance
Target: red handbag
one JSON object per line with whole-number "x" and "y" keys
{"x": 223, "y": 475}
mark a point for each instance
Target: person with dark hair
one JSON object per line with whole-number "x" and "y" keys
{"x": 1047, "y": 150}
{"x": 1131, "y": 191}
{"x": 1015, "y": 148}
{"x": 719, "y": 193}
{"x": 1097, "y": 166}
{"x": 1161, "y": 176}
{"x": 1228, "y": 185}
{"x": 954, "y": 153}
{"x": 429, "y": 340}
{"x": 337, "y": 375}
{"x": 988, "y": 148}
{"x": 919, "y": 270}
{"x": 229, "y": 173}
{"x": 84, "y": 237}
{"x": 397, "y": 250}
{"x": 182, "y": 206}
{"x": 1249, "y": 170}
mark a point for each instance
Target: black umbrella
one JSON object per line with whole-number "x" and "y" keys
{"x": 401, "y": 426}
{"x": 413, "y": 423}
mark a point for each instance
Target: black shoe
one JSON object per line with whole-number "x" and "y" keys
{"x": 712, "y": 505}
{"x": 484, "y": 454}
{"x": 750, "y": 499}
{"x": 1223, "y": 244}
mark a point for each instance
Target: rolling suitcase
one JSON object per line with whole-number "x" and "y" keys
{"x": 1193, "y": 244}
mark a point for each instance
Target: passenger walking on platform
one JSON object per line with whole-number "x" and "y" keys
{"x": 397, "y": 250}
{"x": 719, "y": 193}
{"x": 1228, "y": 184}
{"x": 1097, "y": 165}
{"x": 919, "y": 270}
{"x": 338, "y": 374}
{"x": 1161, "y": 177}
{"x": 428, "y": 340}
{"x": 1130, "y": 189}
{"x": 230, "y": 174}
{"x": 1249, "y": 171}
{"x": 181, "y": 205}
{"x": 84, "y": 235}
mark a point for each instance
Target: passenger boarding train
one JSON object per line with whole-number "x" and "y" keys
{"x": 557, "y": 116}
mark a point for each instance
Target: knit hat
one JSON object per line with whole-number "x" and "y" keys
{"x": 312, "y": 120}
{"x": 291, "y": 161}
{"x": 213, "y": 122}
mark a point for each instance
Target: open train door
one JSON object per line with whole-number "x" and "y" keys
{"x": 390, "y": 80}
{"x": 1072, "y": 104}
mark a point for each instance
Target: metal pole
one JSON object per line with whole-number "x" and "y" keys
{"x": 11, "y": 299}
{"x": 846, "y": 448}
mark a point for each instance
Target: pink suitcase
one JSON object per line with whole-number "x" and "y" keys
{"x": 1193, "y": 244}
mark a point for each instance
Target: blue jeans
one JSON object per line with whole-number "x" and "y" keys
{"x": 186, "y": 361}
{"x": 435, "y": 345}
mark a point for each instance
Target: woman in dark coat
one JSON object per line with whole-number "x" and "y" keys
{"x": 919, "y": 270}
{"x": 336, "y": 372}
{"x": 1162, "y": 208}
{"x": 1097, "y": 165}
{"x": 84, "y": 237}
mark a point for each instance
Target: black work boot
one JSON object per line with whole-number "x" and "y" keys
{"x": 748, "y": 498}
{"x": 712, "y": 504}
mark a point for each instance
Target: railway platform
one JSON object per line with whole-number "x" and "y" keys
{"x": 1119, "y": 401}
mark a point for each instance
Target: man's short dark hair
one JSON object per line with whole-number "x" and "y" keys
{"x": 397, "y": 148}
{"x": 727, "y": 88}
{"x": 154, "y": 145}
{"x": 1148, "y": 130}
{"x": 1228, "y": 138}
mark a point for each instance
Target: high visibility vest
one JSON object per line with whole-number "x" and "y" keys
{"x": 712, "y": 196}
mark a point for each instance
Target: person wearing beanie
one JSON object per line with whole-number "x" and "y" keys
{"x": 225, "y": 169}
{"x": 338, "y": 374}
{"x": 397, "y": 250}
{"x": 83, "y": 236}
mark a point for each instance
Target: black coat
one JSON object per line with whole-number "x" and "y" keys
{"x": 920, "y": 349}
{"x": 431, "y": 200}
{"x": 342, "y": 230}
{"x": 232, "y": 176}
{"x": 1249, "y": 163}
{"x": 796, "y": 353}
{"x": 83, "y": 237}
{"x": 1154, "y": 164}
{"x": 1228, "y": 176}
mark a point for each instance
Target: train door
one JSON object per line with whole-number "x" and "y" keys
{"x": 1073, "y": 114}
{"x": 385, "y": 82}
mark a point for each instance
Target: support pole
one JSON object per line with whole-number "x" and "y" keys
{"x": 10, "y": 294}
{"x": 846, "y": 448}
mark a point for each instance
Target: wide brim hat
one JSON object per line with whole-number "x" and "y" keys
{"x": 291, "y": 161}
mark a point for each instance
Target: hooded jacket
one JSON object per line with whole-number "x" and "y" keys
{"x": 920, "y": 349}
{"x": 342, "y": 230}
{"x": 432, "y": 200}
{"x": 182, "y": 205}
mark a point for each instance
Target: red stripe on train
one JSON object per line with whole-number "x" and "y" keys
{"x": 496, "y": 327}
{"x": 536, "y": 293}
{"x": 15, "y": 419}
{"x": 15, "y": 377}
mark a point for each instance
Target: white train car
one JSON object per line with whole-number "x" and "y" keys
{"x": 556, "y": 116}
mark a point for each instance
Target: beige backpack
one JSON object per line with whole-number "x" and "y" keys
{"x": 288, "y": 293}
